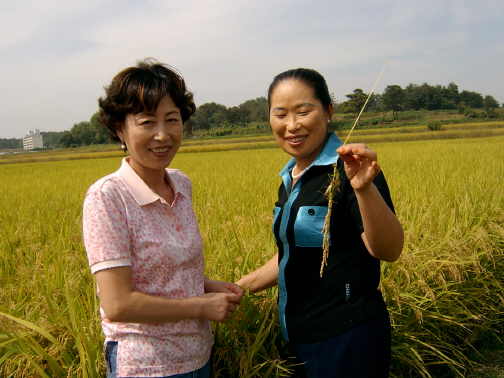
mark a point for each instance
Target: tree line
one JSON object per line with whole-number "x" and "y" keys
{"x": 212, "y": 115}
{"x": 10, "y": 143}
{"x": 417, "y": 97}
{"x": 208, "y": 115}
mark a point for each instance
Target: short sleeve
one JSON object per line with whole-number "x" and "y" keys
{"x": 351, "y": 199}
{"x": 105, "y": 229}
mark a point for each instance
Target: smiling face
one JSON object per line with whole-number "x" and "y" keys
{"x": 298, "y": 120}
{"x": 153, "y": 139}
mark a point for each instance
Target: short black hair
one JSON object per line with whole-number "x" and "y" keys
{"x": 140, "y": 89}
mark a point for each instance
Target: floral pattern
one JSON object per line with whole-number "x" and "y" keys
{"x": 125, "y": 223}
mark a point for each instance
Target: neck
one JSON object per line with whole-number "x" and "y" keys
{"x": 303, "y": 162}
{"x": 154, "y": 178}
{"x": 301, "y": 165}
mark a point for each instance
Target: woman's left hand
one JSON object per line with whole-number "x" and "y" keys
{"x": 213, "y": 286}
{"x": 361, "y": 164}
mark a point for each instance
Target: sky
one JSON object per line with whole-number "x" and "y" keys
{"x": 57, "y": 56}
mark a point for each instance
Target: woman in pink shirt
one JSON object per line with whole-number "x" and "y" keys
{"x": 142, "y": 238}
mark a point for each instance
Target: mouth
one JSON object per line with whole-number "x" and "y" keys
{"x": 296, "y": 140}
{"x": 160, "y": 150}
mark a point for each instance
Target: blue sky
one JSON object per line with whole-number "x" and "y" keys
{"x": 57, "y": 56}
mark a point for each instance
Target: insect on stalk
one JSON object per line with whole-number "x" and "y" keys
{"x": 335, "y": 183}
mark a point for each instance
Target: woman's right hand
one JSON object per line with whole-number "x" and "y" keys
{"x": 121, "y": 303}
{"x": 218, "y": 306}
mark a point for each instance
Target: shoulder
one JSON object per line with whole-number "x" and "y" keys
{"x": 110, "y": 187}
{"x": 180, "y": 179}
{"x": 106, "y": 184}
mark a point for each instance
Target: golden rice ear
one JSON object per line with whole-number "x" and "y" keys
{"x": 332, "y": 189}
{"x": 335, "y": 184}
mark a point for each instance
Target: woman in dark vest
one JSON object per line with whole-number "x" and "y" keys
{"x": 336, "y": 323}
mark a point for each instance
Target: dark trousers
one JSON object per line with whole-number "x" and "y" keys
{"x": 361, "y": 352}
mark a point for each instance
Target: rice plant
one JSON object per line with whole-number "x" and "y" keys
{"x": 444, "y": 292}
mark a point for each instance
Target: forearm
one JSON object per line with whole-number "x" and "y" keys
{"x": 207, "y": 285}
{"x": 262, "y": 278}
{"x": 122, "y": 303}
{"x": 383, "y": 234}
{"x": 137, "y": 307}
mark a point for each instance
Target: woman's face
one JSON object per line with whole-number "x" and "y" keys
{"x": 298, "y": 120}
{"x": 153, "y": 139}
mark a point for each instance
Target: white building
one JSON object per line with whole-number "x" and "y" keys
{"x": 33, "y": 140}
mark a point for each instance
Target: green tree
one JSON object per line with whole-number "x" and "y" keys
{"x": 67, "y": 139}
{"x": 451, "y": 97}
{"x": 238, "y": 115}
{"x": 188, "y": 128}
{"x": 82, "y": 133}
{"x": 256, "y": 109}
{"x": 375, "y": 103}
{"x": 393, "y": 99}
{"x": 490, "y": 102}
{"x": 100, "y": 131}
{"x": 472, "y": 99}
{"x": 423, "y": 96}
{"x": 209, "y": 115}
{"x": 11, "y": 143}
{"x": 355, "y": 101}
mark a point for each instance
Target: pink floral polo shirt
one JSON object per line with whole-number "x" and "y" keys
{"x": 126, "y": 224}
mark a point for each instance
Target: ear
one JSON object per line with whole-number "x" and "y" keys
{"x": 119, "y": 131}
{"x": 330, "y": 110}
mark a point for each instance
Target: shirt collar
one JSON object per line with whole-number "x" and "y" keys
{"x": 140, "y": 191}
{"x": 327, "y": 156}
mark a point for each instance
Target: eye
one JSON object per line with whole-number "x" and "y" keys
{"x": 303, "y": 112}
{"x": 279, "y": 115}
{"x": 172, "y": 120}
{"x": 146, "y": 122}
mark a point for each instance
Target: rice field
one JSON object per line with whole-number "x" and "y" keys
{"x": 445, "y": 294}
{"x": 191, "y": 145}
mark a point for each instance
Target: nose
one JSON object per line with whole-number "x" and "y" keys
{"x": 292, "y": 124}
{"x": 161, "y": 132}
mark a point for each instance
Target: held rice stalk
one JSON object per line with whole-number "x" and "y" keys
{"x": 335, "y": 183}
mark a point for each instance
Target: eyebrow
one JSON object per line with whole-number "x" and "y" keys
{"x": 151, "y": 114}
{"x": 296, "y": 107}
{"x": 172, "y": 112}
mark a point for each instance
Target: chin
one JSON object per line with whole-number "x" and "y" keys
{"x": 158, "y": 165}
{"x": 296, "y": 152}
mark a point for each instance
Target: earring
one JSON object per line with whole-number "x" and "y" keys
{"x": 123, "y": 147}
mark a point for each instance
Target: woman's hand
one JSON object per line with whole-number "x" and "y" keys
{"x": 222, "y": 299}
{"x": 361, "y": 165}
{"x": 214, "y": 286}
{"x": 262, "y": 278}
{"x": 383, "y": 234}
{"x": 218, "y": 306}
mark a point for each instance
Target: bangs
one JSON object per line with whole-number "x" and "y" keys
{"x": 144, "y": 92}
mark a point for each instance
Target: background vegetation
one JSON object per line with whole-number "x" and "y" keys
{"x": 414, "y": 104}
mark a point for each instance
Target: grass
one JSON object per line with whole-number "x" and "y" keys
{"x": 445, "y": 294}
